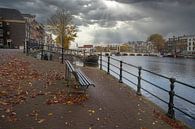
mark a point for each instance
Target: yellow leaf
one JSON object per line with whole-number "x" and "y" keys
{"x": 50, "y": 114}
{"x": 41, "y": 121}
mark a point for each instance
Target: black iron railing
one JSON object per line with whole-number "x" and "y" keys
{"x": 29, "y": 48}
{"x": 140, "y": 78}
{"x": 106, "y": 63}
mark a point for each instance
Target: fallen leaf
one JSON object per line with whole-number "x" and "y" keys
{"x": 41, "y": 121}
{"x": 50, "y": 114}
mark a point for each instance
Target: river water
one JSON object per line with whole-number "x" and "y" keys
{"x": 181, "y": 69}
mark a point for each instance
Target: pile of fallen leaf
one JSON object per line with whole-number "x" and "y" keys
{"x": 171, "y": 122}
{"x": 15, "y": 80}
{"x": 51, "y": 76}
{"x": 61, "y": 97}
{"x": 16, "y": 86}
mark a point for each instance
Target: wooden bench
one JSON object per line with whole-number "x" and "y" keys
{"x": 83, "y": 81}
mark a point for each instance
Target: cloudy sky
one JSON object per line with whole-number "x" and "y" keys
{"x": 116, "y": 21}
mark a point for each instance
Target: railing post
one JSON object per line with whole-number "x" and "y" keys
{"x": 62, "y": 59}
{"x": 108, "y": 67}
{"x": 101, "y": 61}
{"x": 139, "y": 81}
{"x": 84, "y": 57}
{"x": 171, "y": 112}
{"x": 42, "y": 47}
{"x": 121, "y": 71}
{"x": 24, "y": 47}
{"x": 27, "y": 48}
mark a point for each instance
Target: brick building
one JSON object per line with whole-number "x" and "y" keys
{"x": 35, "y": 32}
{"x": 12, "y": 28}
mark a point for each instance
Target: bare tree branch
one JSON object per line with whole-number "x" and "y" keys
{"x": 61, "y": 25}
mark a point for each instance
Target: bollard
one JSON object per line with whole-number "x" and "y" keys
{"x": 101, "y": 61}
{"x": 139, "y": 81}
{"x": 62, "y": 59}
{"x": 108, "y": 68}
{"x": 121, "y": 71}
{"x": 171, "y": 112}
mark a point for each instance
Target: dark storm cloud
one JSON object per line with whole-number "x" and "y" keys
{"x": 44, "y": 8}
{"x": 144, "y": 17}
{"x": 155, "y": 1}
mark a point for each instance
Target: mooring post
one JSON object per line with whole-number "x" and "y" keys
{"x": 121, "y": 72}
{"x": 108, "y": 67}
{"x": 171, "y": 112}
{"x": 139, "y": 81}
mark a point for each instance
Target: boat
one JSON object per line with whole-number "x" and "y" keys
{"x": 91, "y": 60}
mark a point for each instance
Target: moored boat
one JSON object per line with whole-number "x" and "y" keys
{"x": 91, "y": 59}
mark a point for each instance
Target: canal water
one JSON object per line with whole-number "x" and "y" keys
{"x": 180, "y": 69}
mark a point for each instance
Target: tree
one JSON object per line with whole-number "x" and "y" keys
{"x": 124, "y": 48}
{"x": 157, "y": 41}
{"x": 61, "y": 24}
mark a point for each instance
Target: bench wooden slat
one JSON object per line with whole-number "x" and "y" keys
{"x": 81, "y": 78}
{"x": 70, "y": 67}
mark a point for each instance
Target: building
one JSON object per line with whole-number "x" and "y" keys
{"x": 12, "y": 28}
{"x": 181, "y": 45}
{"x": 28, "y": 19}
{"x": 35, "y": 32}
{"x": 142, "y": 47}
{"x": 191, "y": 44}
{"x": 113, "y": 48}
{"x": 86, "y": 48}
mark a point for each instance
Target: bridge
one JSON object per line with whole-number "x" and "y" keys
{"x": 128, "y": 54}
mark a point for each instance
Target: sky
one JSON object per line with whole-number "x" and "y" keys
{"x": 116, "y": 21}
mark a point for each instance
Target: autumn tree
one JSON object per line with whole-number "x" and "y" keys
{"x": 124, "y": 48}
{"x": 61, "y": 24}
{"x": 158, "y": 41}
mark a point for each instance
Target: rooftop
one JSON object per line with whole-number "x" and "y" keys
{"x": 10, "y": 14}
